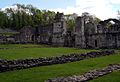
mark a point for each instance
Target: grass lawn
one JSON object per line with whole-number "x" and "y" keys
{"x": 34, "y": 51}
{"x": 13, "y": 46}
{"x": 40, "y": 74}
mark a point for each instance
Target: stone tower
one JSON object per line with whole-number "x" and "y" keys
{"x": 59, "y": 30}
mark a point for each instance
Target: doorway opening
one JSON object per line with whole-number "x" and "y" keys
{"x": 96, "y": 43}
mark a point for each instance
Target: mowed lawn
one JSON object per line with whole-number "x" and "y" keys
{"x": 18, "y": 51}
{"x": 40, "y": 74}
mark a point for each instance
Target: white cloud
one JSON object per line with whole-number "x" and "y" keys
{"x": 103, "y": 9}
{"x": 115, "y": 1}
{"x": 12, "y": 7}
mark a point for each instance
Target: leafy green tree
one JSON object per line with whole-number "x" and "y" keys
{"x": 71, "y": 24}
{"x": 25, "y": 15}
{"x": 3, "y": 20}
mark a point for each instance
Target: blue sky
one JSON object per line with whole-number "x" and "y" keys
{"x": 103, "y": 9}
{"x": 42, "y": 4}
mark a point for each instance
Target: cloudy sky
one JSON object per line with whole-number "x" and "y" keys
{"x": 101, "y": 8}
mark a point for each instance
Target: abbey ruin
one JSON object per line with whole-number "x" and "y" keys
{"x": 87, "y": 33}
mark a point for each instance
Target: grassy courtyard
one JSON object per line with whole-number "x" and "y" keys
{"x": 40, "y": 74}
{"x": 18, "y": 51}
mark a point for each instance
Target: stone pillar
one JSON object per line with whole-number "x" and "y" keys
{"x": 80, "y": 34}
{"x": 59, "y": 30}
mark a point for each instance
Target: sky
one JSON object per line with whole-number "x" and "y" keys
{"x": 103, "y": 9}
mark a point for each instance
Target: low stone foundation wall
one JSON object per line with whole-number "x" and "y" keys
{"x": 7, "y": 65}
{"x": 88, "y": 76}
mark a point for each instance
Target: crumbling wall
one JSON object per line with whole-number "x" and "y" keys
{"x": 80, "y": 33}
{"x": 27, "y": 35}
{"x": 59, "y": 30}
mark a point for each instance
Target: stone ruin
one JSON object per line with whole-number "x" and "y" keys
{"x": 9, "y": 65}
{"x": 101, "y": 35}
{"x": 53, "y": 34}
{"x": 59, "y": 30}
{"x": 87, "y": 33}
{"x": 88, "y": 76}
{"x": 7, "y": 35}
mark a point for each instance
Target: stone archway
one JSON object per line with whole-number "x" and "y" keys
{"x": 111, "y": 30}
{"x": 105, "y": 22}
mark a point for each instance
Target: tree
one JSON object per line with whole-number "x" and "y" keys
{"x": 3, "y": 19}
{"x": 96, "y": 19}
{"x": 70, "y": 19}
{"x": 70, "y": 24}
{"x": 25, "y": 15}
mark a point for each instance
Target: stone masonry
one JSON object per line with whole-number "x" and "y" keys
{"x": 102, "y": 35}
{"x": 87, "y": 33}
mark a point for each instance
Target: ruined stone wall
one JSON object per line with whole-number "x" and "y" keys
{"x": 85, "y": 30}
{"x": 109, "y": 34}
{"x": 79, "y": 32}
{"x": 45, "y": 34}
{"x": 59, "y": 31}
{"x": 91, "y": 35}
{"x": 2, "y": 39}
{"x": 118, "y": 40}
{"x": 113, "y": 40}
{"x": 96, "y": 41}
{"x": 27, "y": 35}
{"x": 9, "y": 65}
{"x": 69, "y": 39}
{"x": 87, "y": 34}
{"x": 86, "y": 77}
{"x": 108, "y": 40}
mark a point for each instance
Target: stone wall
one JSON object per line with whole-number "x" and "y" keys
{"x": 59, "y": 30}
{"x": 45, "y": 33}
{"x": 69, "y": 39}
{"x": 80, "y": 33}
{"x": 27, "y": 35}
{"x": 89, "y": 34}
{"x": 87, "y": 76}
{"x": 9, "y": 65}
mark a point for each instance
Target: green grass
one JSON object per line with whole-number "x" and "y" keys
{"x": 14, "y": 46}
{"x": 40, "y": 74}
{"x": 35, "y": 51}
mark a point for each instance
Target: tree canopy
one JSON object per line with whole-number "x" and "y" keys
{"x": 22, "y": 15}
{"x": 26, "y": 15}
